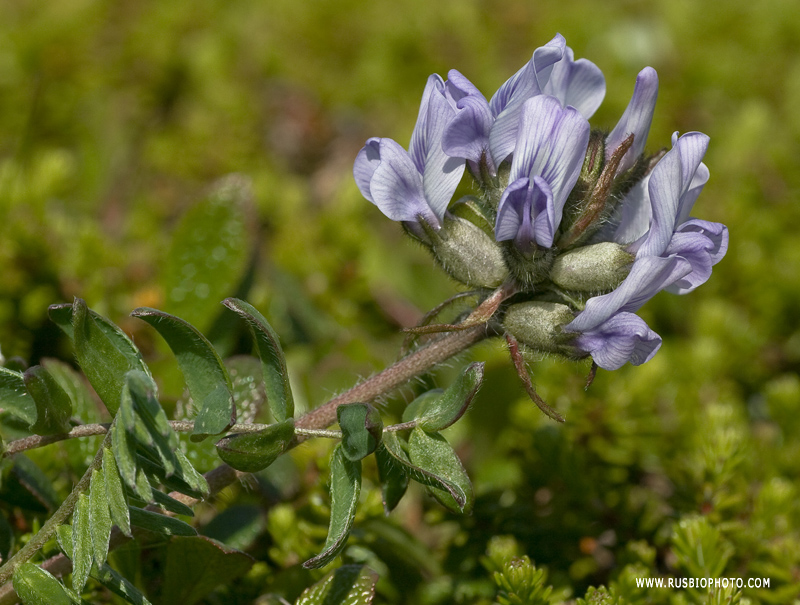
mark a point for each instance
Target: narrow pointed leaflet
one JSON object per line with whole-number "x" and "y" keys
{"x": 205, "y": 374}
{"x": 273, "y": 363}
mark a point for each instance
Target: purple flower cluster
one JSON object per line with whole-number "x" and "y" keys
{"x": 585, "y": 222}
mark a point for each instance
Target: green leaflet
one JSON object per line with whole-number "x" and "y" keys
{"x": 141, "y": 413}
{"x": 82, "y": 552}
{"x": 53, "y": 405}
{"x": 99, "y": 517}
{"x": 103, "y": 351}
{"x": 431, "y": 453}
{"x": 62, "y": 316}
{"x": 273, "y": 363}
{"x": 15, "y": 396}
{"x": 202, "y": 368}
{"x": 455, "y": 495}
{"x": 188, "y": 475}
{"x": 196, "y": 565}
{"x": 187, "y": 480}
{"x": 35, "y": 586}
{"x": 103, "y": 574}
{"x": 252, "y": 452}
{"x": 141, "y": 448}
{"x": 348, "y": 585}
{"x": 119, "y": 585}
{"x": 160, "y": 524}
{"x": 441, "y": 412}
{"x": 142, "y": 488}
{"x": 170, "y": 504}
{"x": 345, "y": 489}
{"x": 83, "y": 401}
{"x": 394, "y": 481}
{"x": 420, "y": 403}
{"x": 362, "y": 429}
{"x": 124, "y": 448}
{"x": 117, "y": 502}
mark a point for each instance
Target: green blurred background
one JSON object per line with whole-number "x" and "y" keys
{"x": 117, "y": 117}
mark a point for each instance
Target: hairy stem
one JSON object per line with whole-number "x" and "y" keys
{"x": 88, "y": 430}
{"x": 59, "y": 517}
{"x": 395, "y": 375}
{"x": 384, "y": 382}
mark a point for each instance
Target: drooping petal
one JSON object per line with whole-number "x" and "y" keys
{"x": 648, "y": 276}
{"x": 512, "y": 210}
{"x": 396, "y": 186}
{"x": 701, "y": 243}
{"x": 623, "y": 338}
{"x": 467, "y": 134}
{"x": 636, "y": 120}
{"x": 578, "y": 83}
{"x": 458, "y": 86}
{"x": 543, "y": 212}
{"x": 716, "y": 232}
{"x": 367, "y": 160}
{"x": 552, "y": 144}
{"x": 507, "y": 101}
{"x": 672, "y": 188}
{"x": 545, "y": 58}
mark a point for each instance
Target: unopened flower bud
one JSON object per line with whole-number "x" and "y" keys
{"x": 468, "y": 254}
{"x": 537, "y": 324}
{"x": 596, "y": 268}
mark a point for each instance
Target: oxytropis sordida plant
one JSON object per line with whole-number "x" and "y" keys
{"x": 572, "y": 230}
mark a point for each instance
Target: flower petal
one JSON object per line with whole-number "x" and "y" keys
{"x": 673, "y": 190}
{"x": 511, "y": 213}
{"x": 458, "y": 86}
{"x": 367, "y": 160}
{"x": 701, "y": 243}
{"x": 543, "y": 212}
{"x": 623, "y": 338}
{"x": 636, "y": 120}
{"x": 440, "y": 172}
{"x": 699, "y": 178}
{"x": 648, "y": 276}
{"x": 578, "y": 83}
{"x": 467, "y": 134}
{"x": 552, "y": 144}
{"x": 507, "y": 101}
{"x": 420, "y": 145}
{"x": 396, "y": 186}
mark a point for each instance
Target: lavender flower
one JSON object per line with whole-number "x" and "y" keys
{"x": 673, "y": 252}
{"x": 588, "y": 227}
{"x": 418, "y": 183}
